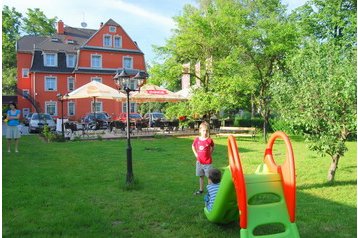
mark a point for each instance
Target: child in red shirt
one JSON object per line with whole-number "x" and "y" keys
{"x": 203, "y": 147}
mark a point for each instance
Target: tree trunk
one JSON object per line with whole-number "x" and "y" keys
{"x": 333, "y": 167}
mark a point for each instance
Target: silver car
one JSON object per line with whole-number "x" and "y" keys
{"x": 39, "y": 120}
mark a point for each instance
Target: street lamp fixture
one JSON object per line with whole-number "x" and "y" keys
{"x": 124, "y": 82}
{"x": 60, "y": 98}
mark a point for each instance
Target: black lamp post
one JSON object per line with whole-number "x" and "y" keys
{"x": 60, "y": 98}
{"x": 123, "y": 81}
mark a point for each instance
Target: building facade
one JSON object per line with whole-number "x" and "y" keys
{"x": 58, "y": 64}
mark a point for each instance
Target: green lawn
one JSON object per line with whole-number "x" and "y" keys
{"x": 76, "y": 189}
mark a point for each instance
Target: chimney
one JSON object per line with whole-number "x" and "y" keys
{"x": 185, "y": 79}
{"x": 60, "y": 28}
{"x": 100, "y": 25}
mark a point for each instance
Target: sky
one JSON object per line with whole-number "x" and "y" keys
{"x": 148, "y": 22}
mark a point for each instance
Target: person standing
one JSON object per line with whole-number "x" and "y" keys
{"x": 12, "y": 130}
{"x": 203, "y": 147}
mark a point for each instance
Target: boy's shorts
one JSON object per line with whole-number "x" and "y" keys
{"x": 202, "y": 169}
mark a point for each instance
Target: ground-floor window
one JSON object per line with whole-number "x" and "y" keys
{"x": 51, "y": 108}
{"x": 98, "y": 107}
{"x": 133, "y": 107}
{"x": 71, "y": 108}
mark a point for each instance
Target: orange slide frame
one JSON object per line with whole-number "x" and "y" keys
{"x": 286, "y": 171}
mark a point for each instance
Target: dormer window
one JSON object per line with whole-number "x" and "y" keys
{"x": 70, "y": 60}
{"x": 107, "y": 41}
{"x": 50, "y": 59}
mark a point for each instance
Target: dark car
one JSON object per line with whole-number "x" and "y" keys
{"x": 154, "y": 119}
{"x": 100, "y": 122}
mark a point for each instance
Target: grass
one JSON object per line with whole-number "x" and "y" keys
{"x": 77, "y": 189}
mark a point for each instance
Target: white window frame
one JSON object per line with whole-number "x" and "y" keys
{"x": 71, "y": 106}
{"x": 25, "y": 92}
{"x": 99, "y": 105}
{"x": 70, "y": 63}
{"x": 120, "y": 42}
{"x": 69, "y": 79}
{"x": 25, "y": 73}
{"x": 51, "y": 103}
{"x": 132, "y": 109}
{"x": 131, "y": 63}
{"x": 105, "y": 43}
{"x": 47, "y": 61}
{"x": 25, "y": 111}
{"x": 55, "y": 83}
{"x": 96, "y": 78}
{"x": 112, "y": 29}
{"x": 93, "y": 56}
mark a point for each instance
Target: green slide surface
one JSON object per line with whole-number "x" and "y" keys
{"x": 225, "y": 206}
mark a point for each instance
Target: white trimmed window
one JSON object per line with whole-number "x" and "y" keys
{"x": 107, "y": 40}
{"x": 70, "y": 83}
{"x": 25, "y": 73}
{"x": 132, "y": 109}
{"x": 70, "y": 60}
{"x": 96, "y": 61}
{"x": 98, "y": 107}
{"x": 50, "y": 59}
{"x": 98, "y": 79}
{"x": 117, "y": 42}
{"x": 25, "y": 111}
{"x": 71, "y": 110}
{"x": 25, "y": 93}
{"x": 50, "y": 83}
{"x": 51, "y": 108}
{"x": 112, "y": 29}
{"x": 127, "y": 62}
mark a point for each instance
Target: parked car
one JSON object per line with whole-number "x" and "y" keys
{"x": 27, "y": 119}
{"x": 154, "y": 118}
{"x": 39, "y": 120}
{"x": 100, "y": 122}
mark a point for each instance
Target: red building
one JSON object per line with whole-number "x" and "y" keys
{"x": 47, "y": 66}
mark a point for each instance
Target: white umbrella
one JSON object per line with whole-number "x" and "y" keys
{"x": 154, "y": 93}
{"x": 95, "y": 89}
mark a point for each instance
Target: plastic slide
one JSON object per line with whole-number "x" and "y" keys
{"x": 224, "y": 209}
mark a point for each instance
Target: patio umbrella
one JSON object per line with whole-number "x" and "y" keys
{"x": 187, "y": 93}
{"x": 95, "y": 90}
{"x": 154, "y": 93}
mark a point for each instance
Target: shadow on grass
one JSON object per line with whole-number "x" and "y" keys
{"x": 327, "y": 184}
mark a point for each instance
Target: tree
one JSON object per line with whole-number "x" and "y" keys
{"x": 318, "y": 90}
{"x": 245, "y": 41}
{"x": 11, "y": 22}
{"x": 36, "y": 23}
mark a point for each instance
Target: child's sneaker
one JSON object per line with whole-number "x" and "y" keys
{"x": 199, "y": 192}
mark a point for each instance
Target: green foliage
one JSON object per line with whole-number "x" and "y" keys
{"x": 9, "y": 81}
{"x": 36, "y": 23}
{"x": 11, "y": 22}
{"x": 319, "y": 96}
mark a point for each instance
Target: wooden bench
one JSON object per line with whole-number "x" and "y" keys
{"x": 237, "y": 131}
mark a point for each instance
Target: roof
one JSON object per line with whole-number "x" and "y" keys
{"x": 70, "y": 41}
